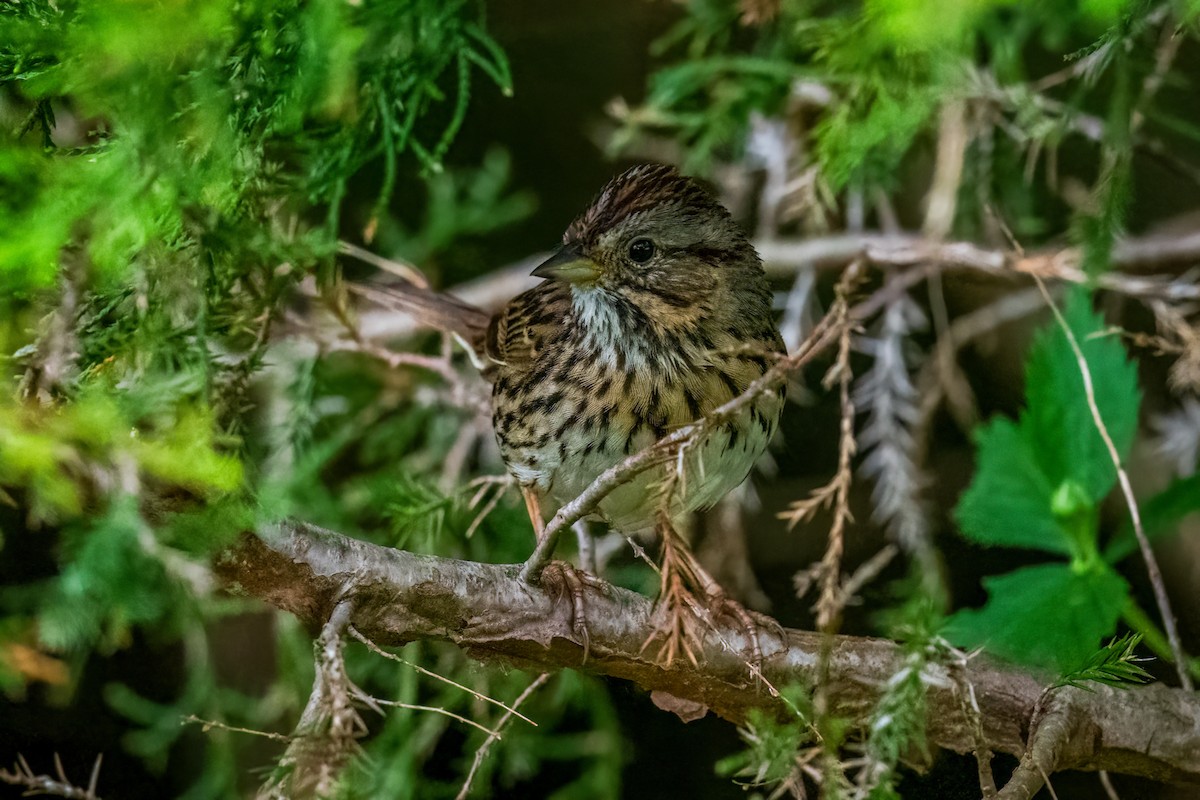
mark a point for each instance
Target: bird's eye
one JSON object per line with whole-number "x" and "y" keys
{"x": 641, "y": 250}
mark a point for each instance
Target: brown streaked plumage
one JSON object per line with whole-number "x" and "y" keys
{"x": 588, "y": 371}
{"x": 655, "y": 312}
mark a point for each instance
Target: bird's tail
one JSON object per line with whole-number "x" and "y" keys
{"x": 431, "y": 309}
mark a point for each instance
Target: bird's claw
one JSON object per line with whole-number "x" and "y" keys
{"x": 720, "y": 605}
{"x": 563, "y": 579}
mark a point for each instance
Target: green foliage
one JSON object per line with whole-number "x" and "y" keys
{"x": 1115, "y": 664}
{"x": 772, "y": 745}
{"x": 1038, "y": 485}
{"x": 165, "y": 197}
{"x": 1049, "y": 614}
{"x": 1040, "y": 480}
{"x": 862, "y": 89}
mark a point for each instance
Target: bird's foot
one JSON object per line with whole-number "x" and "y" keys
{"x": 564, "y": 580}
{"x": 721, "y": 606}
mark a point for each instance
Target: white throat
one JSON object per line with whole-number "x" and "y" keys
{"x": 605, "y": 331}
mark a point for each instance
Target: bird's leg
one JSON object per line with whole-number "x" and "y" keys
{"x": 559, "y": 578}
{"x": 681, "y": 575}
{"x": 533, "y": 507}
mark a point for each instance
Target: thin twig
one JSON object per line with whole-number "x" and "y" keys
{"x": 35, "y": 784}
{"x": 1156, "y": 579}
{"x": 784, "y": 256}
{"x": 1109, "y": 789}
{"x": 401, "y": 268}
{"x": 829, "y": 606}
{"x": 477, "y": 695}
{"x": 969, "y": 702}
{"x": 866, "y": 572}
{"x": 207, "y": 724}
{"x": 1164, "y": 55}
{"x": 434, "y": 709}
{"x": 481, "y": 753}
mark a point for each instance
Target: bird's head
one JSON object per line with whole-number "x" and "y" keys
{"x": 655, "y": 238}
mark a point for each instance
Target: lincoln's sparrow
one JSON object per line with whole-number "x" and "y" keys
{"x": 654, "y": 312}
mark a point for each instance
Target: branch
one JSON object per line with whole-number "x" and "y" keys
{"x": 23, "y": 775}
{"x": 1056, "y": 720}
{"x": 781, "y": 258}
{"x": 398, "y": 597}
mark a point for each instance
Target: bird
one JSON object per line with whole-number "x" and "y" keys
{"x": 652, "y": 312}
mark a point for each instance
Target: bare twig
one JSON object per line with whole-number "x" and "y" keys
{"x": 867, "y": 571}
{"x": 445, "y": 712}
{"x": 481, "y": 753}
{"x": 782, "y": 257}
{"x": 35, "y": 784}
{"x": 1156, "y": 579}
{"x": 511, "y": 710}
{"x": 969, "y": 703}
{"x": 1164, "y": 55}
{"x": 493, "y": 485}
{"x": 209, "y": 724}
{"x": 953, "y": 138}
{"x": 326, "y": 737}
{"x": 401, "y": 268}
{"x": 1109, "y": 790}
{"x": 829, "y": 605}
{"x": 940, "y": 377}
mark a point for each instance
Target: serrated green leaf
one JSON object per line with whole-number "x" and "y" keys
{"x": 1048, "y": 615}
{"x": 1058, "y": 423}
{"x": 1009, "y": 501}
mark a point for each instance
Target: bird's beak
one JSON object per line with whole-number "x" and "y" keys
{"x": 568, "y": 264}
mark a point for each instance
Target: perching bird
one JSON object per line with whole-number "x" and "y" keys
{"x": 654, "y": 312}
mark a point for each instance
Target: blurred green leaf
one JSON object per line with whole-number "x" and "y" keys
{"x": 1048, "y": 615}
{"x": 1009, "y": 499}
{"x": 1058, "y": 421}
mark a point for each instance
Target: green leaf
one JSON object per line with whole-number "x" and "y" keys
{"x": 1048, "y": 615}
{"x": 1160, "y": 516}
{"x": 1009, "y": 501}
{"x": 1058, "y": 423}
{"x": 1040, "y": 480}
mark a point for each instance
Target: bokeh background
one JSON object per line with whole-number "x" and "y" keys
{"x": 812, "y": 120}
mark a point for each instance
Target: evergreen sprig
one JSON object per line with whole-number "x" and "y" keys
{"x": 1114, "y": 664}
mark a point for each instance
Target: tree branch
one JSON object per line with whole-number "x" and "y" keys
{"x": 399, "y": 597}
{"x": 781, "y": 257}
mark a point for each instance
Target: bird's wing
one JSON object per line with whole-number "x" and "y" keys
{"x": 522, "y": 328}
